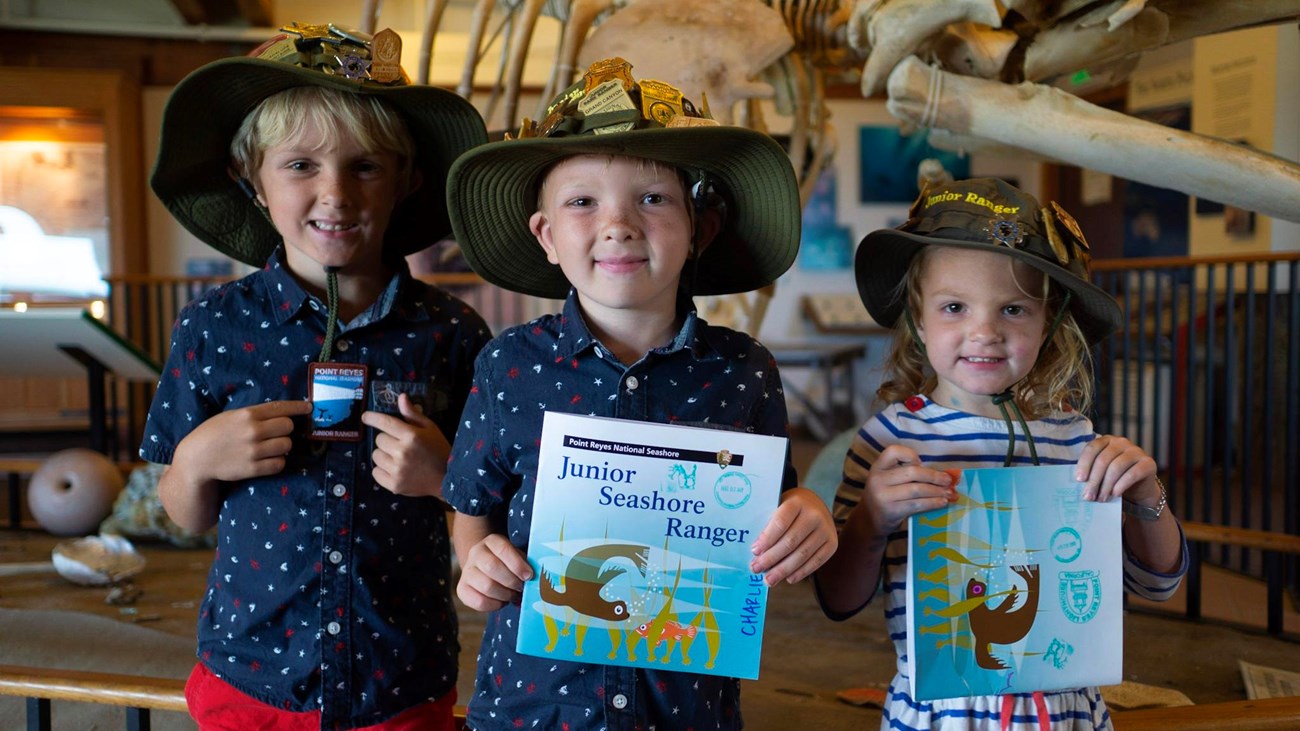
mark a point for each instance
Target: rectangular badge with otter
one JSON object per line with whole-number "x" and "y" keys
{"x": 640, "y": 545}
{"x": 1014, "y": 588}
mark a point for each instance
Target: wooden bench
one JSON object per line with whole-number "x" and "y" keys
{"x": 1269, "y": 714}
{"x": 1273, "y": 545}
{"x": 138, "y": 694}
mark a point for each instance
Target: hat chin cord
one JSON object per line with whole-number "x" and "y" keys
{"x": 331, "y": 276}
{"x": 1007, "y": 396}
{"x": 332, "y": 298}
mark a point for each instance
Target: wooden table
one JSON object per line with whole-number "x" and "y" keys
{"x": 834, "y": 364}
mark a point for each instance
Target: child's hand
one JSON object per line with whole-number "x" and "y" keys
{"x": 1113, "y": 466}
{"x": 797, "y": 540}
{"x": 898, "y": 487}
{"x": 492, "y": 574}
{"x": 241, "y": 443}
{"x": 410, "y": 456}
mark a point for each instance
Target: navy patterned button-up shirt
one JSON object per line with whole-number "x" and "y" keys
{"x": 706, "y": 375}
{"x": 327, "y": 591}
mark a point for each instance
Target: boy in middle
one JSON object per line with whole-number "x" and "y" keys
{"x": 627, "y": 200}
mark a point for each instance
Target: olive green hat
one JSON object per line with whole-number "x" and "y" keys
{"x": 493, "y": 189}
{"x": 985, "y": 214}
{"x": 193, "y": 176}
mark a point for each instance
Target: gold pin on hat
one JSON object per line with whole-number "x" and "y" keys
{"x": 724, "y": 458}
{"x": 386, "y": 56}
{"x": 659, "y": 101}
{"x": 1054, "y": 238}
{"x": 609, "y": 68}
{"x": 307, "y": 31}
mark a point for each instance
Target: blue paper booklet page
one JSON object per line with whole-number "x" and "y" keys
{"x": 640, "y": 545}
{"x": 1014, "y": 588}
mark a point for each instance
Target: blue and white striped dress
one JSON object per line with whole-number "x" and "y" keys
{"x": 945, "y": 438}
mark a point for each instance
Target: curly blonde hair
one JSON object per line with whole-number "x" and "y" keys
{"x": 1060, "y": 380}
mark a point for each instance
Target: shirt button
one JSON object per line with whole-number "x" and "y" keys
{"x": 340, "y": 491}
{"x": 314, "y": 305}
{"x": 334, "y": 628}
{"x": 631, "y": 383}
{"x": 619, "y": 701}
{"x": 336, "y": 556}
{"x": 342, "y": 345}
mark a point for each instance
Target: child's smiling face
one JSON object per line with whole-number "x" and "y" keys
{"x": 982, "y": 321}
{"x": 619, "y": 228}
{"x": 331, "y": 202}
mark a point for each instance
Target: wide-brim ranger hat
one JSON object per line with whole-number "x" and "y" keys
{"x": 192, "y": 175}
{"x": 493, "y": 189}
{"x": 985, "y": 214}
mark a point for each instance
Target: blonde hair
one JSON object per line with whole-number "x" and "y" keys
{"x": 338, "y": 115}
{"x": 1060, "y": 379}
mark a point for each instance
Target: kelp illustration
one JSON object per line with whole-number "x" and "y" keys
{"x": 667, "y": 628}
{"x": 966, "y": 595}
{"x": 664, "y": 627}
{"x": 708, "y": 625}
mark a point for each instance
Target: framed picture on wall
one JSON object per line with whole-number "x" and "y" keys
{"x": 888, "y": 161}
{"x": 824, "y": 245}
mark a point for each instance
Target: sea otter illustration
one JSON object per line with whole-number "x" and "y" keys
{"x": 1002, "y": 625}
{"x": 587, "y": 573}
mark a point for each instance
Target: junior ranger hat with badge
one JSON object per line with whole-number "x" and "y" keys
{"x": 985, "y": 214}
{"x": 493, "y": 189}
{"x": 193, "y": 175}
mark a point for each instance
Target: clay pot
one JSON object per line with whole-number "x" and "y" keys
{"x": 73, "y": 491}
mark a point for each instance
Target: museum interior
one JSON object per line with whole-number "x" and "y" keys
{"x": 1169, "y": 130}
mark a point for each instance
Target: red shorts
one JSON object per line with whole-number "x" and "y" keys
{"x": 216, "y": 705}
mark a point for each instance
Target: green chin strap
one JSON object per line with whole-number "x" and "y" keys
{"x": 1006, "y": 396}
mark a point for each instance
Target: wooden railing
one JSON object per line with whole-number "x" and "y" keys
{"x": 1206, "y": 377}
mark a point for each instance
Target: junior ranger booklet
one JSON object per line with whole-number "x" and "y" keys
{"x": 640, "y": 545}
{"x": 1014, "y": 588}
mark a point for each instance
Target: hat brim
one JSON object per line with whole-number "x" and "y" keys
{"x": 882, "y": 260}
{"x": 191, "y": 175}
{"x": 492, "y": 193}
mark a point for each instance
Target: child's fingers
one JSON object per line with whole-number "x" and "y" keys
{"x": 473, "y": 596}
{"x": 510, "y": 558}
{"x": 803, "y": 559}
{"x": 1111, "y": 465}
{"x": 896, "y": 455}
{"x": 274, "y": 409}
{"x": 384, "y": 423}
{"x": 787, "y": 511}
{"x": 412, "y": 412}
{"x": 798, "y": 539}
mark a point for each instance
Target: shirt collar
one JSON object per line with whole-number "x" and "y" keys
{"x": 575, "y": 337}
{"x": 400, "y": 297}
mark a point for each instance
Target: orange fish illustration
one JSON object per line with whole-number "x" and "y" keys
{"x": 673, "y": 631}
